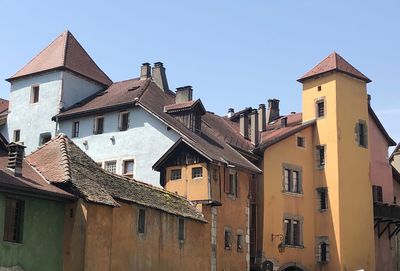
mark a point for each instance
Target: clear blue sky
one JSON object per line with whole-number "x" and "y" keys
{"x": 233, "y": 53}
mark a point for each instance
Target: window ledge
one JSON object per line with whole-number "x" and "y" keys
{"x": 295, "y": 246}
{"x": 14, "y": 244}
{"x": 287, "y": 193}
{"x": 323, "y": 210}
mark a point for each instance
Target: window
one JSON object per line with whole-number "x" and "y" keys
{"x": 319, "y": 88}
{"x": 197, "y": 172}
{"x": 300, "y": 141}
{"x": 75, "y": 129}
{"x": 128, "y": 166}
{"x": 215, "y": 174}
{"x": 320, "y": 153}
{"x": 17, "y": 135}
{"x": 362, "y": 134}
{"x": 292, "y": 180}
{"x": 377, "y": 193}
{"x": 228, "y": 239}
{"x": 320, "y": 108}
{"x": 240, "y": 242}
{"x": 181, "y": 229}
{"x": 13, "y": 220}
{"x": 35, "y": 94}
{"x": 110, "y": 166}
{"x": 43, "y": 138}
{"x": 322, "y": 249}
{"x": 141, "y": 221}
{"x": 231, "y": 183}
{"x": 123, "y": 121}
{"x": 98, "y": 125}
{"x": 176, "y": 174}
{"x": 322, "y": 198}
{"x": 293, "y": 232}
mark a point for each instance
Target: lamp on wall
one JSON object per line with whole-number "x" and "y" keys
{"x": 281, "y": 246}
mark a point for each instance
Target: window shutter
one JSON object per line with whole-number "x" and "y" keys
{"x": 236, "y": 184}
{"x": 327, "y": 253}
{"x": 286, "y": 184}
{"x": 226, "y": 189}
{"x": 94, "y": 126}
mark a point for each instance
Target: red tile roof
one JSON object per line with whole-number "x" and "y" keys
{"x": 180, "y": 106}
{"x": 64, "y": 52}
{"x": 334, "y": 62}
{"x": 3, "y": 105}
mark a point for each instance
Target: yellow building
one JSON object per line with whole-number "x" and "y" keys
{"x": 315, "y": 199}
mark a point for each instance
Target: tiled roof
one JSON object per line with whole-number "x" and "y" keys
{"x": 149, "y": 96}
{"x": 180, "y": 106}
{"x": 29, "y": 182}
{"x": 3, "y": 105}
{"x": 60, "y": 160}
{"x": 64, "y": 52}
{"x": 334, "y": 62}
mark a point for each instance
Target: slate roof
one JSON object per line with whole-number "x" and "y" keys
{"x": 65, "y": 52}
{"x": 30, "y": 182}
{"x": 146, "y": 94}
{"x": 64, "y": 163}
{"x": 334, "y": 62}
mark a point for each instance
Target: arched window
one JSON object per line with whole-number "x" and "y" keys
{"x": 322, "y": 249}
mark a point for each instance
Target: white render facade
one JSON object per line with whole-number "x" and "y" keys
{"x": 34, "y": 119}
{"x": 144, "y": 142}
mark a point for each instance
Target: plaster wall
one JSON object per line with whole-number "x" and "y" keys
{"x": 146, "y": 140}
{"x": 41, "y": 248}
{"x": 32, "y": 119}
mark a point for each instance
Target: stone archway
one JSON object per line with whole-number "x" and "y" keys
{"x": 292, "y": 267}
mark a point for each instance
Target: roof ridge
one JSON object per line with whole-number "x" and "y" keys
{"x": 65, "y": 48}
{"x": 38, "y": 54}
{"x": 65, "y": 158}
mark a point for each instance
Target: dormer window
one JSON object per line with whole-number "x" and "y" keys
{"x": 35, "y": 94}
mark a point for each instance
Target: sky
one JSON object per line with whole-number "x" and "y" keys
{"x": 234, "y": 53}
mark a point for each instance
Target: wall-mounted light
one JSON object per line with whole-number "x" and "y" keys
{"x": 281, "y": 246}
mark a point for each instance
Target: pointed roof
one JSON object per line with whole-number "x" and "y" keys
{"x": 334, "y": 62}
{"x": 65, "y": 52}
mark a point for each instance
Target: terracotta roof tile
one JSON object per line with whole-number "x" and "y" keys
{"x": 3, "y": 105}
{"x": 180, "y": 106}
{"x": 99, "y": 186}
{"x": 334, "y": 62}
{"x": 64, "y": 52}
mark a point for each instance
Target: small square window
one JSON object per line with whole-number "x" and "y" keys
{"x": 300, "y": 141}
{"x": 323, "y": 198}
{"x": 197, "y": 172}
{"x": 176, "y": 174}
{"x": 128, "y": 166}
{"x": 43, "y": 138}
{"x": 377, "y": 193}
{"x": 98, "y": 125}
{"x": 362, "y": 134}
{"x": 35, "y": 94}
{"x": 319, "y": 88}
{"x": 141, "y": 221}
{"x": 110, "y": 166}
{"x": 75, "y": 129}
{"x": 123, "y": 121}
{"x": 320, "y": 108}
{"x": 17, "y": 135}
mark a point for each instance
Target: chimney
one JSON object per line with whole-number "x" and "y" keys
{"x": 159, "y": 76}
{"x": 262, "y": 118}
{"x": 283, "y": 122}
{"x": 183, "y": 94}
{"x": 231, "y": 111}
{"x": 273, "y": 110}
{"x": 254, "y": 126}
{"x": 145, "y": 71}
{"x": 244, "y": 125}
{"x": 15, "y": 157}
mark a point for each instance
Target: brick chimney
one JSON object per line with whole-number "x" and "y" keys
{"x": 262, "y": 118}
{"x": 145, "y": 71}
{"x": 159, "y": 76}
{"x": 184, "y": 94}
{"x": 254, "y": 126}
{"x": 231, "y": 111}
{"x": 15, "y": 158}
{"x": 244, "y": 125}
{"x": 273, "y": 110}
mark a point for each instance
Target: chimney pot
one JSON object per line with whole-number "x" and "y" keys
{"x": 159, "y": 76}
{"x": 184, "y": 94}
{"x": 15, "y": 157}
{"x": 262, "y": 118}
{"x": 145, "y": 71}
{"x": 273, "y": 110}
{"x": 231, "y": 111}
{"x": 244, "y": 125}
{"x": 254, "y": 126}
